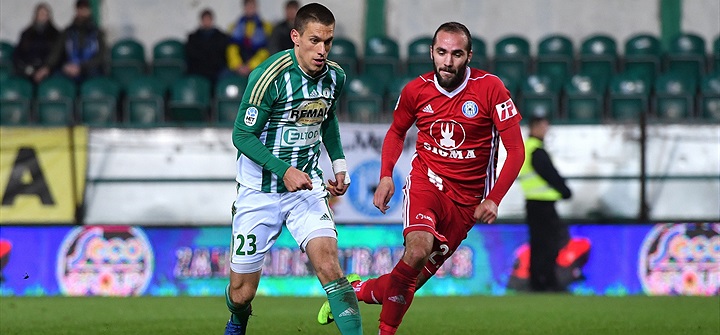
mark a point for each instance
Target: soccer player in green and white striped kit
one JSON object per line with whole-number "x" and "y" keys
{"x": 287, "y": 111}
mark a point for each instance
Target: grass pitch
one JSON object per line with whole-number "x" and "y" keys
{"x": 520, "y": 314}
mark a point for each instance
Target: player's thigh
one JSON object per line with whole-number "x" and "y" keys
{"x": 257, "y": 222}
{"x": 454, "y": 227}
{"x": 422, "y": 207}
{"x": 308, "y": 215}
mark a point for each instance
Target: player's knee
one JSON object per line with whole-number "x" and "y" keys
{"x": 416, "y": 257}
{"x": 241, "y": 295}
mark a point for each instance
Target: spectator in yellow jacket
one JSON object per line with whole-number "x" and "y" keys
{"x": 249, "y": 38}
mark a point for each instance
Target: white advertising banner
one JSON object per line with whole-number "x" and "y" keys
{"x": 178, "y": 176}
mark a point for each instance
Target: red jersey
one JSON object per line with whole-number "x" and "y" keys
{"x": 458, "y": 133}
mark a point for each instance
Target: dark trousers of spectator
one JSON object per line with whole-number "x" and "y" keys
{"x": 547, "y": 236}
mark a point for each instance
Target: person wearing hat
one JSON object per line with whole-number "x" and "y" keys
{"x": 79, "y": 53}
{"x": 543, "y": 186}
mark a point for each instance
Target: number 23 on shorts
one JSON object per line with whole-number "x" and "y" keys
{"x": 245, "y": 244}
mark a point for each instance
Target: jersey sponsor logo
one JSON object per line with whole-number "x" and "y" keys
{"x": 448, "y": 134}
{"x": 428, "y": 109}
{"x": 454, "y": 154}
{"x": 506, "y": 110}
{"x": 310, "y": 112}
{"x": 251, "y": 115}
{"x": 469, "y": 109}
{"x": 299, "y": 136}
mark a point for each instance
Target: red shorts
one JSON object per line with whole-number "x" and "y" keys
{"x": 426, "y": 208}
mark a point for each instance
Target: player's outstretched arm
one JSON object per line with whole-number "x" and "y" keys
{"x": 383, "y": 193}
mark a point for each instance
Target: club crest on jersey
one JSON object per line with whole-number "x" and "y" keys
{"x": 470, "y": 109}
{"x": 310, "y": 112}
{"x": 251, "y": 115}
{"x": 506, "y": 110}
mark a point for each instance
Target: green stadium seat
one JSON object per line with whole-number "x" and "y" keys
{"x": 511, "y": 85}
{"x": 168, "y": 61}
{"x": 418, "y": 60}
{"x": 674, "y": 96}
{"x": 344, "y": 52}
{"x": 687, "y": 55}
{"x": 642, "y": 57}
{"x": 716, "y": 53}
{"x": 190, "y": 100}
{"x": 228, "y": 95}
{"x": 629, "y": 98}
{"x": 97, "y": 104}
{"x": 709, "y": 105}
{"x": 598, "y": 57}
{"x": 393, "y": 92}
{"x": 540, "y": 95}
{"x": 382, "y": 59}
{"x": 512, "y": 58}
{"x": 127, "y": 61}
{"x": 56, "y": 101}
{"x": 363, "y": 100}
{"x": 555, "y": 57}
{"x": 145, "y": 102}
{"x": 15, "y": 101}
{"x": 584, "y": 99}
{"x": 479, "y": 58}
{"x": 6, "y": 62}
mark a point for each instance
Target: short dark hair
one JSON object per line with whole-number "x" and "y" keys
{"x": 292, "y": 3}
{"x": 82, "y": 3}
{"x": 454, "y": 27}
{"x": 206, "y": 12}
{"x": 313, "y": 12}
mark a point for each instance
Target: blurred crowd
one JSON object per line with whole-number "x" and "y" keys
{"x": 79, "y": 51}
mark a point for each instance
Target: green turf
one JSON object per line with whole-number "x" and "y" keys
{"x": 521, "y": 314}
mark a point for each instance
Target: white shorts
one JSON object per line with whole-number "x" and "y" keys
{"x": 258, "y": 219}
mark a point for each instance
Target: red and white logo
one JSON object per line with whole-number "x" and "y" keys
{"x": 506, "y": 110}
{"x": 448, "y": 134}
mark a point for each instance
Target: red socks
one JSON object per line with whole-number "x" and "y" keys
{"x": 371, "y": 291}
{"x": 397, "y": 297}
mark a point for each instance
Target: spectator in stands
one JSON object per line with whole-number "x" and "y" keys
{"x": 543, "y": 186}
{"x": 36, "y": 41}
{"x": 80, "y": 50}
{"x": 248, "y": 40}
{"x": 280, "y": 38}
{"x": 205, "y": 48}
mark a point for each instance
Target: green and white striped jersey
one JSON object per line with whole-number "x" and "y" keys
{"x": 290, "y": 113}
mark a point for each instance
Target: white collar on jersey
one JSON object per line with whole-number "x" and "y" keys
{"x": 458, "y": 89}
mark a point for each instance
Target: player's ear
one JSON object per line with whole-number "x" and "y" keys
{"x": 295, "y": 36}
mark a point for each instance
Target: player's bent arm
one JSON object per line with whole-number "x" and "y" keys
{"x": 331, "y": 137}
{"x": 513, "y": 142}
{"x": 249, "y": 145}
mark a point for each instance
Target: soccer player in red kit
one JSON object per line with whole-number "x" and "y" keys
{"x": 461, "y": 114}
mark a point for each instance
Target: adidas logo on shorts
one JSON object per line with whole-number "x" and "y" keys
{"x": 325, "y": 217}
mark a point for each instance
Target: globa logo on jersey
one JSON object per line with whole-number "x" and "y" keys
{"x": 310, "y": 112}
{"x": 105, "y": 260}
{"x": 470, "y": 109}
{"x": 681, "y": 259}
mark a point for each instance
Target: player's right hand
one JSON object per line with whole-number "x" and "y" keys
{"x": 295, "y": 180}
{"x": 383, "y": 193}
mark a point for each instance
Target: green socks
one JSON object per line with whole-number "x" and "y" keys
{"x": 344, "y": 306}
{"x": 239, "y": 315}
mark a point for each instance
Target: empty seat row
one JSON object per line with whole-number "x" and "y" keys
{"x": 102, "y": 101}
{"x": 671, "y": 97}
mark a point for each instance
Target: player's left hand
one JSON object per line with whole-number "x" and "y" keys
{"x": 486, "y": 211}
{"x": 338, "y": 186}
